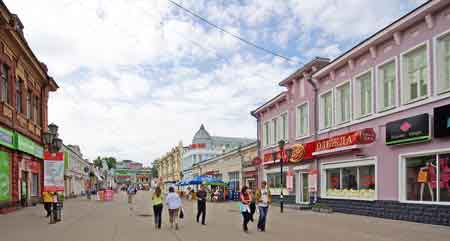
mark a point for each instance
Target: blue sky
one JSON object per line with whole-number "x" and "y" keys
{"x": 136, "y": 77}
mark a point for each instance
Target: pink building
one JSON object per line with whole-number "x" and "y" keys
{"x": 370, "y": 130}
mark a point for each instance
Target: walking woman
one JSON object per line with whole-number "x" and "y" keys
{"x": 264, "y": 199}
{"x": 157, "y": 201}
{"x": 173, "y": 202}
{"x": 246, "y": 198}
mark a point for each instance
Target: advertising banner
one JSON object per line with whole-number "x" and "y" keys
{"x": 4, "y": 177}
{"x": 290, "y": 181}
{"x": 408, "y": 130}
{"x": 312, "y": 180}
{"x": 53, "y": 172}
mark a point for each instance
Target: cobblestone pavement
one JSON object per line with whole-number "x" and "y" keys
{"x": 86, "y": 220}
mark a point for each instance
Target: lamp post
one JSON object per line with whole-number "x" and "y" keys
{"x": 54, "y": 144}
{"x": 281, "y": 147}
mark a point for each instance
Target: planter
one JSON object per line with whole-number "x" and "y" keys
{"x": 316, "y": 209}
{"x": 326, "y": 210}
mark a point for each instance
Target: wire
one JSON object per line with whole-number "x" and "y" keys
{"x": 232, "y": 34}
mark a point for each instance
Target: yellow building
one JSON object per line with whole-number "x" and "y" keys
{"x": 169, "y": 165}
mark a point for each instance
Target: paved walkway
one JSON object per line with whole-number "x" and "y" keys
{"x": 86, "y": 220}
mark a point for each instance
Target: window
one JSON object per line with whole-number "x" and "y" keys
{"x": 29, "y": 113}
{"x": 343, "y": 103}
{"x": 274, "y": 180}
{"x": 350, "y": 180}
{"x": 363, "y": 95}
{"x": 386, "y": 85}
{"x": 274, "y": 128}
{"x": 326, "y": 110}
{"x": 34, "y": 185}
{"x": 5, "y": 84}
{"x": 302, "y": 120}
{"x": 283, "y": 123}
{"x": 415, "y": 74}
{"x": 35, "y": 114}
{"x": 19, "y": 95}
{"x": 427, "y": 178}
{"x": 234, "y": 181}
{"x": 443, "y": 64}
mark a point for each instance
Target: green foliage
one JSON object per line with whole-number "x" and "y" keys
{"x": 110, "y": 161}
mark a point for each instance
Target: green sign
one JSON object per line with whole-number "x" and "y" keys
{"x": 123, "y": 172}
{"x": 6, "y": 137}
{"x": 66, "y": 160}
{"x": 26, "y": 145}
{"x": 4, "y": 177}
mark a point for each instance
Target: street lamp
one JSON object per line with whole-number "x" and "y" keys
{"x": 54, "y": 144}
{"x": 281, "y": 147}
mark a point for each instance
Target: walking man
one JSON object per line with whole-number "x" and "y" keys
{"x": 263, "y": 199}
{"x": 131, "y": 191}
{"x": 201, "y": 204}
{"x": 48, "y": 199}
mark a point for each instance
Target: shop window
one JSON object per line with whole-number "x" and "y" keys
{"x": 415, "y": 74}
{"x": 34, "y": 185}
{"x": 274, "y": 180}
{"x": 234, "y": 181}
{"x": 356, "y": 182}
{"x": 425, "y": 181}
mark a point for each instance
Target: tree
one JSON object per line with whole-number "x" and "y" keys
{"x": 154, "y": 169}
{"x": 110, "y": 161}
{"x": 98, "y": 162}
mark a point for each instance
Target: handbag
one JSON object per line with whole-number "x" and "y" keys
{"x": 181, "y": 213}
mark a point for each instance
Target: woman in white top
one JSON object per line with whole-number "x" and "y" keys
{"x": 173, "y": 202}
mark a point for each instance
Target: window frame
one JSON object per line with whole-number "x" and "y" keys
{"x": 360, "y": 162}
{"x": 7, "y": 98}
{"x": 321, "y": 110}
{"x": 379, "y": 108}
{"x": 436, "y": 74}
{"x": 280, "y": 120}
{"x": 349, "y": 82}
{"x": 356, "y": 115}
{"x": 18, "y": 93}
{"x": 402, "y": 175}
{"x": 403, "y": 76}
{"x": 266, "y": 133}
{"x": 297, "y": 136}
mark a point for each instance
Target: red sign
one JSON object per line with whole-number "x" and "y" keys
{"x": 197, "y": 146}
{"x": 348, "y": 141}
{"x": 250, "y": 174}
{"x": 256, "y": 161}
{"x": 34, "y": 166}
{"x": 53, "y": 172}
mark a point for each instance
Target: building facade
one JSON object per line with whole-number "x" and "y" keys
{"x": 229, "y": 167}
{"x": 75, "y": 174}
{"x": 169, "y": 165}
{"x": 204, "y": 147}
{"x": 24, "y": 88}
{"x": 369, "y": 131}
{"x": 128, "y": 172}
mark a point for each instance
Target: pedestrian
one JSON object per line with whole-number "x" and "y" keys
{"x": 263, "y": 199}
{"x": 173, "y": 202}
{"x": 47, "y": 199}
{"x": 252, "y": 206}
{"x": 201, "y": 204}
{"x": 131, "y": 191}
{"x": 245, "y": 198}
{"x": 157, "y": 201}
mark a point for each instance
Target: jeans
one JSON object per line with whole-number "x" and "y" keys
{"x": 201, "y": 210}
{"x": 157, "y": 211}
{"x": 246, "y": 216}
{"x": 262, "y": 218}
{"x": 48, "y": 208}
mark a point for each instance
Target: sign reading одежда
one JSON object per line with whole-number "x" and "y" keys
{"x": 408, "y": 130}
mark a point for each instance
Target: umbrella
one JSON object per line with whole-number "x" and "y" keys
{"x": 214, "y": 182}
{"x": 197, "y": 180}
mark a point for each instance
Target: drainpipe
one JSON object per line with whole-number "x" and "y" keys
{"x": 316, "y": 125}
{"x": 258, "y": 150}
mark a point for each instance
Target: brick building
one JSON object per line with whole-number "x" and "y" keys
{"x": 24, "y": 89}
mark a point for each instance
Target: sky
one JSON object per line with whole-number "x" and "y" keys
{"x": 137, "y": 77}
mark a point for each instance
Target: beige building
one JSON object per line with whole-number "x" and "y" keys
{"x": 169, "y": 165}
{"x": 230, "y": 166}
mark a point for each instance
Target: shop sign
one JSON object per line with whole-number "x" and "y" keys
{"x": 5, "y": 180}
{"x": 408, "y": 130}
{"x": 256, "y": 161}
{"x": 197, "y": 146}
{"x": 28, "y": 146}
{"x": 290, "y": 181}
{"x": 53, "y": 172}
{"x": 442, "y": 121}
{"x": 348, "y": 141}
{"x": 34, "y": 166}
{"x": 6, "y": 138}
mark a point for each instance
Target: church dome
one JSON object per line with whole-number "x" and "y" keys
{"x": 202, "y": 136}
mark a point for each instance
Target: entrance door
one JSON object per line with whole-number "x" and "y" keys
{"x": 24, "y": 189}
{"x": 302, "y": 192}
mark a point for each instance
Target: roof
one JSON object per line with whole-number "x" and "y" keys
{"x": 318, "y": 62}
{"x": 233, "y": 151}
{"x": 216, "y": 139}
{"x": 381, "y": 33}
{"x": 278, "y": 97}
{"x": 201, "y": 135}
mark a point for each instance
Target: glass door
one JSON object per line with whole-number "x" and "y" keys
{"x": 305, "y": 191}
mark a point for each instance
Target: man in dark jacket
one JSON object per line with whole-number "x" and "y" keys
{"x": 201, "y": 204}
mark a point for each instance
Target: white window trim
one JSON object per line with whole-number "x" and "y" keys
{"x": 371, "y": 71}
{"x": 402, "y": 175}
{"x": 307, "y": 124}
{"x": 377, "y": 79}
{"x": 287, "y": 124}
{"x": 351, "y": 102}
{"x": 270, "y": 121}
{"x": 322, "y": 128}
{"x": 264, "y": 133}
{"x": 435, "y": 65}
{"x": 402, "y": 75}
{"x": 348, "y": 163}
